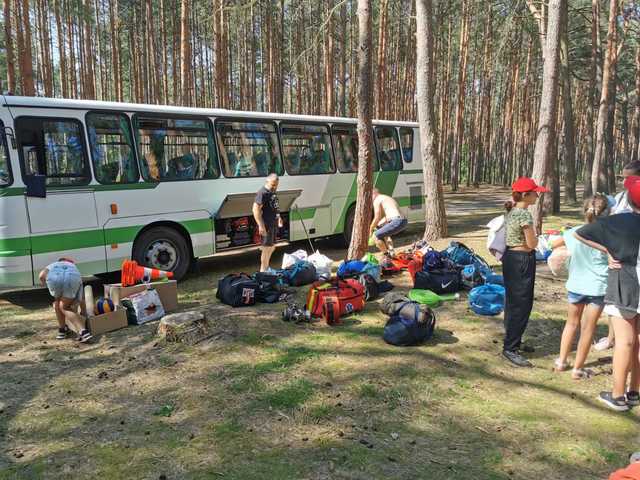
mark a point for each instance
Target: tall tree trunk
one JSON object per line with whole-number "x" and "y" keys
{"x": 545, "y": 140}
{"x": 362, "y": 219}
{"x": 435, "y": 215}
{"x": 185, "y": 53}
{"x": 458, "y": 137}
{"x": 569, "y": 134}
{"x": 61, "y": 50}
{"x": 598, "y": 175}
{"x": 8, "y": 41}
{"x": 25, "y": 54}
{"x": 635, "y": 136}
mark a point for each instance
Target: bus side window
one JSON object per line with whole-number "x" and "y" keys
{"x": 176, "y": 148}
{"x": 248, "y": 149}
{"x": 346, "y": 143}
{"x": 388, "y": 149}
{"x": 53, "y": 147}
{"x": 306, "y": 149}
{"x": 5, "y": 163}
{"x": 111, "y": 146}
{"x": 406, "y": 141}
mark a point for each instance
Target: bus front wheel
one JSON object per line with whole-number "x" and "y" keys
{"x": 163, "y": 248}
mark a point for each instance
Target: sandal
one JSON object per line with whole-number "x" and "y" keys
{"x": 581, "y": 373}
{"x": 559, "y": 366}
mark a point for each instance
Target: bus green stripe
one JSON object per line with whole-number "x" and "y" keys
{"x": 19, "y": 191}
{"x": 12, "y": 192}
{"x": 386, "y": 182}
{"x": 304, "y": 213}
{"x": 15, "y": 247}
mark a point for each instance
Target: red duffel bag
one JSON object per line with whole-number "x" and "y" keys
{"x": 335, "y": 298}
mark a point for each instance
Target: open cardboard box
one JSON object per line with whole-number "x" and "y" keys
{"x": 167, "y": 290}
{"x": 108, "y": 322}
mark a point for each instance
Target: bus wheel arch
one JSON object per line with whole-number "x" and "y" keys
{"x": 166, "y": 246}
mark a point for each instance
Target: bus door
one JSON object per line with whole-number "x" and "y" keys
{"x": 412, "y": 173}
{"x": 61, "y": 211}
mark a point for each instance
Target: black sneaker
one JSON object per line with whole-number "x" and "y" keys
{"x": 62, "y": 333}
{"x": 84, "y": 336}
{"x": 618, "y": 404}
{"x": 515, "y": 358}
{"x": 633, "y": 398}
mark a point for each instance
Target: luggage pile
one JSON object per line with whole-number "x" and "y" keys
{"x": 458, "y": 268}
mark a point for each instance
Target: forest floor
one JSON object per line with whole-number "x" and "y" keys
{"x": 265, "y": 399}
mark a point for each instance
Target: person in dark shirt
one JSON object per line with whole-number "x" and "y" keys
{"x": 266, "y": 212}
{"x": 619, "y": 237}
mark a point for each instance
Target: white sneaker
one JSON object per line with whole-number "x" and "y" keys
{"x": 603, "y": 344}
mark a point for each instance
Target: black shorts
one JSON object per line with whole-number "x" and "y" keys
{"x": 269, "y": 239}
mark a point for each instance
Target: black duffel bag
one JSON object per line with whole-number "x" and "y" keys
{"x": 438, "y": 281}
{"x": 237, "y": 290}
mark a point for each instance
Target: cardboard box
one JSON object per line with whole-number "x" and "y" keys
{"x": 108, "y": 322}
{"x": 168, "y": 292}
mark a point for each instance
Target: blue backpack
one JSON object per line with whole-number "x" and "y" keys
{"x": 405, "y": 330}
{"x": 433, "y": 260}
{"x": 459, "y": 253}
{"x": 487, "y": 299}
{"x": 355, "y": 268}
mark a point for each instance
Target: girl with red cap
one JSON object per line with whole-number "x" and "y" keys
{"x": 619, "y": 237}
{"x": 519, "y": 266}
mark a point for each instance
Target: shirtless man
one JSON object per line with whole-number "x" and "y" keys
{"x": 386, "y": 213}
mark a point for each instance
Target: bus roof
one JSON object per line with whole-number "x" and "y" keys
{"x": 63, "y": 103}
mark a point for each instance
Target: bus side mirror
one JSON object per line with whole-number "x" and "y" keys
{"x": 36, "y": 186}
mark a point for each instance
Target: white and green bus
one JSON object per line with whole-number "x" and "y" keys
{"x": 101, "y": 182}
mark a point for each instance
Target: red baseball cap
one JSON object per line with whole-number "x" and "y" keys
{"x": 526, "y": 184}
{"x": 632, "y": 184}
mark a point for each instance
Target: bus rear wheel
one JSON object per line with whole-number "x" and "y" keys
{"x": 348, "y": 226}
{"x": 163, "y": 248}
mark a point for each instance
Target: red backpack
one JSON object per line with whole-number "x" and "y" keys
{"x": 335, "y": 298}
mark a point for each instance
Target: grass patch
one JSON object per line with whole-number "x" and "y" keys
{"x": 291, "y": 395}
{"x": 368, "y": 391}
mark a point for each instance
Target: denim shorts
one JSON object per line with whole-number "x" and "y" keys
{"x": 578, "y": 298}
{"x": 64, "y": 281}
{"x": 392, "y": 227}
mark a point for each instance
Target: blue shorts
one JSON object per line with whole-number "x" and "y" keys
{"x": 392, "y": 227}
{"x": 578, "y": 298}
{"x": 64, "y": 281}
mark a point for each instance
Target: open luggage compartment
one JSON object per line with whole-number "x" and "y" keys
{"x": 235, "y": 226}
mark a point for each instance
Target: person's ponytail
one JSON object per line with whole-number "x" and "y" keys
{"x": 515, "y": 198}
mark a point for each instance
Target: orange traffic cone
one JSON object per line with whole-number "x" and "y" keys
{"x": 132, "y": 273}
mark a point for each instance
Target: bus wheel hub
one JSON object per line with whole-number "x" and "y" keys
{"x": 162, "y": 255}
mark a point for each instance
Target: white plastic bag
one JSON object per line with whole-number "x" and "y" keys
{"x": 147, "y": 306}
{"x": 290, "y": 259}
{"x": 559, "y": 261}
{"x": 323, "y": 265}
{"x": 497, "y": 238}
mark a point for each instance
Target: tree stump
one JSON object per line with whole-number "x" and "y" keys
{"x": 188, "y": 327}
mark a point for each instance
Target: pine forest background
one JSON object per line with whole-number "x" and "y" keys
{"x": 300, "y": 56}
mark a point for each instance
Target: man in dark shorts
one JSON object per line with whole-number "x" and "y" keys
{"x": 266, "y": 212}
{"x": 387, "y": 221}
